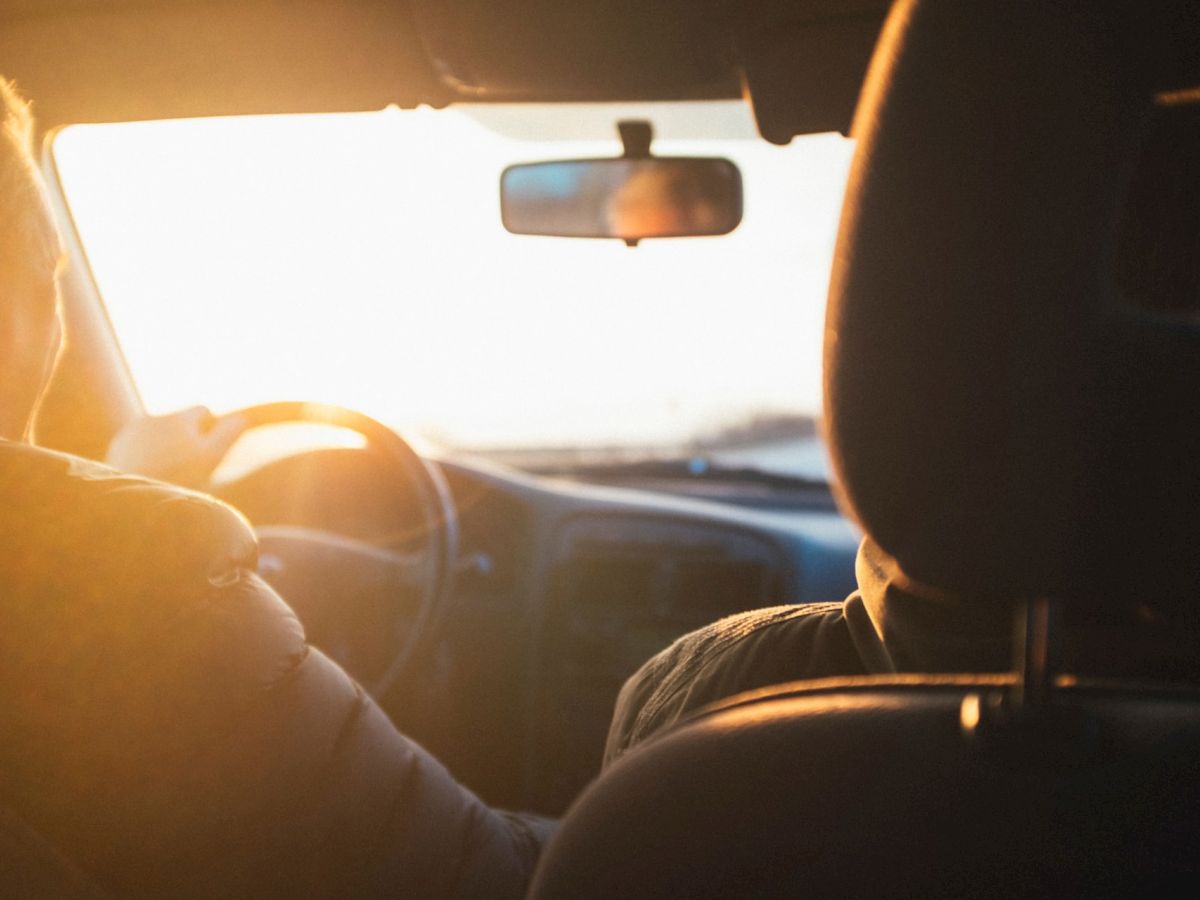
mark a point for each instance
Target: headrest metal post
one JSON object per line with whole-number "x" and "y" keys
{"x": 1036, "y": 652}
{"x": 1026, "y": 722}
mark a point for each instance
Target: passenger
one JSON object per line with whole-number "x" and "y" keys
{"x": 894, "y": 624}
{"x": 890, "y": 624}
{"x": 163, "y": 723}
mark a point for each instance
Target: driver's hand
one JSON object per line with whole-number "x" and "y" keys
{"x": 182, "y": 447}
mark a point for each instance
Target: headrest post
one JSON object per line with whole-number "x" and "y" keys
{"x": 1036, "y": 651}
{"x": 997, "y": 715}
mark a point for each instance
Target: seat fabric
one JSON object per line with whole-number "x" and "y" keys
{"x": 871, "y": 787}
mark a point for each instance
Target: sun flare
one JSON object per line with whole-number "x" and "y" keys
{"x": 359, "y": 259}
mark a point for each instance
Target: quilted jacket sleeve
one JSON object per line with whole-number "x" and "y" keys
{"x": 164, "y": 723}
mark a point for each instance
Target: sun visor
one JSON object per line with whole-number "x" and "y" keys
{"x": 550, "y": 50}
{"x": 802, "y": 63}
{"x": 106, "y": 62}
{"x": 806, "y": 78}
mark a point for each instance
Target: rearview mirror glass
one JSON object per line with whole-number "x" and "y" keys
{"x": 624, "y": 198}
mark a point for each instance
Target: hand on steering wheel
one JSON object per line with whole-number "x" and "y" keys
{"x": 182, "y": 447}
{"x": 427, "y": 570}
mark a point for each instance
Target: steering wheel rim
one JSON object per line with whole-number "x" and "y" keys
{"x": 439, "y": 519}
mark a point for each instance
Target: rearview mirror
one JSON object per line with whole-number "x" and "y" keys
{"x": 625, "y": 198}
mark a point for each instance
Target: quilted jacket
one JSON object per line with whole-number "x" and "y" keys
{"x": 165, "y": 725}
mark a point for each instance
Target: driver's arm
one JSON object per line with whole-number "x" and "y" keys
{"x": 166, "y": 724}
{"x": 181, "y": 447}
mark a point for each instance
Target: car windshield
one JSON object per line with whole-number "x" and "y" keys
{"x": 359, "y": 259}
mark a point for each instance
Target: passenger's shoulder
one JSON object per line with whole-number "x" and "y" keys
{"x": 738, "y": 653}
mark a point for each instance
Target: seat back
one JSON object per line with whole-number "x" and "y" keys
{"x": 871, "y": 787}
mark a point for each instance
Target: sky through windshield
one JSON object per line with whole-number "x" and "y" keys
{"x": 359, "y": 259}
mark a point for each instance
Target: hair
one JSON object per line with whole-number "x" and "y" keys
{"x": 24, "y": 222}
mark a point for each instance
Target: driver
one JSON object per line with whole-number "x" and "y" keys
{"x": 164, "y": 727}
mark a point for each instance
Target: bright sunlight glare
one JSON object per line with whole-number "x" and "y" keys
{"x": 359, "y": 259}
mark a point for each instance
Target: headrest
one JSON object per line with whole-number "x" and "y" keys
{"x": 1003, "y": 421}
{"x": 1158, "y": 239}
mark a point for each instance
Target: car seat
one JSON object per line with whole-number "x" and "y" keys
{"x": 1010, "y": 425}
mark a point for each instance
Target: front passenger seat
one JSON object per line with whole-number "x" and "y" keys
{"x": 1007, "y": 426}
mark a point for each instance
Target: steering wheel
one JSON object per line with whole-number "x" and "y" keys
{"x": 430, "y": 569}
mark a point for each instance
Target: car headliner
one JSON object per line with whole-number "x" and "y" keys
{"x": 117, "y": 60}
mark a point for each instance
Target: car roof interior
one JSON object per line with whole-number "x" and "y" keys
{"x": 119, "y": 60}
{"x": 1012, "y": 364}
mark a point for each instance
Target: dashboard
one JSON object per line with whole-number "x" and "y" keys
{"x": 563, "y": 589}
